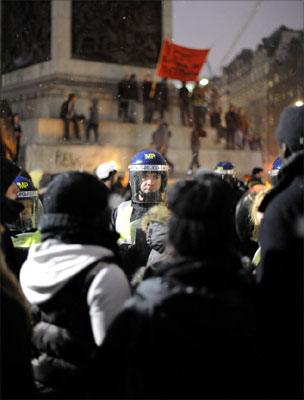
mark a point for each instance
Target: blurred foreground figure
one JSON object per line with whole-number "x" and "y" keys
{"x": 73, "y": 282}
{"x": 191, "y": 331}
{"x": 9, "y": 211}
{"x": 280, "y": 274}
{"x": 16, "y": 375}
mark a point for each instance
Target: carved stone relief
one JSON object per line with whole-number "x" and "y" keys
{"x": 121, "y": 32}
{"x": 25, "y": 33}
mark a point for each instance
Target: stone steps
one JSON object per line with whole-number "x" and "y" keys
{"x": 45, "y": 149}
{"x": 50, "y": 130}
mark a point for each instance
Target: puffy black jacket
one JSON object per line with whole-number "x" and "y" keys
{"x": 280, "y": 276}
{"x": 191, "y": 332}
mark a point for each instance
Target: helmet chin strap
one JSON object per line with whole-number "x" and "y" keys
{"x": 153, "y": 197}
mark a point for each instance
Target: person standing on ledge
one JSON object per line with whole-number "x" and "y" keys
{"x": 184, "y": 104}
{"x": 68, "y": 115}
{"x": 93, "y": 121}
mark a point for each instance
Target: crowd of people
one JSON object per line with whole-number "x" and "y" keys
{"x": 195, "y": 292}
{"x": 197, "y": 108}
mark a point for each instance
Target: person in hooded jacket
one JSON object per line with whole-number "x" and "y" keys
{"x": 191, "y": 331}
{"x": 73, "y": 281}
{"x": 155, "y": 225}
{"x": 280, "y": 275}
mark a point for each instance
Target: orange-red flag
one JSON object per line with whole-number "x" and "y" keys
{"x": 180, "y": 63}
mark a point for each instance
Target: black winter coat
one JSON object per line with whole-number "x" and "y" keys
{"x": 281, "y": 277}
{"x": 146, "y": 90}
{"x": 191, "y": 332}
{"x": 16, "y": 375}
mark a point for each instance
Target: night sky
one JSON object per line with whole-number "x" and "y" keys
{"x": 216, "y": 24}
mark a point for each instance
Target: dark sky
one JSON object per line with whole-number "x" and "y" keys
{"x": 217, "y": 24}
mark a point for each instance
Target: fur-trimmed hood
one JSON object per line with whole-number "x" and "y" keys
{"x": 159, "y": 213}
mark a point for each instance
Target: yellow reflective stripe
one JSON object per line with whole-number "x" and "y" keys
{"x": 26, "y": 239}
{"x": 257, "y": 258}
{"x": 123, "y": 224}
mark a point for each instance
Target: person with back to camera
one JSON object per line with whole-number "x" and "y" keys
{"x": 190, "y": 331}
{"x": 280, "y": 274}
{"x": 148, "y": 174}
{"x": 73, "y": 282}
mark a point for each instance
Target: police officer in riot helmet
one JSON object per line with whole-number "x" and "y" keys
{"x": 226, "y": 170}
{"x": 148, "y": 174}
{"x": 275, "y": 169}
{"x": 148, "y": 177}
{"x": 24, "y": 229}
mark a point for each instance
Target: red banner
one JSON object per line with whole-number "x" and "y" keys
{"x": 180, "y": 63}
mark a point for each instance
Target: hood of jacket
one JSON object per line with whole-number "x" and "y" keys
{"x": 51, "y": 264}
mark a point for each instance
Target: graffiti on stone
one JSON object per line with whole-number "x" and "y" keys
{"x": 67, "y": 159}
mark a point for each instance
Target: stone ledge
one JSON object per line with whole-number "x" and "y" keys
{"x": 50, "y": 131}
{"x": 62, "y": 157}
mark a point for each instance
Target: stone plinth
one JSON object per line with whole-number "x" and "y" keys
{"x": 38, "y": 90}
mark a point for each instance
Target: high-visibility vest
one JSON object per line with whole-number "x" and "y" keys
{"x": 123, "y": 224}
{"x": 26, "y": 239}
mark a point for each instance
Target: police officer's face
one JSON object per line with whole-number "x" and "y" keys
{"x": 150, "y": 182}
{"x": 27, "y": 211}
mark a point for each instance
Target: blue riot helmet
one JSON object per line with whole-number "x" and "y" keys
{"x": 148, "y": 175}
{"x": 225, "y": 168}
{"x": 274, "y": 172}
{"x": 33, "y": 209}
